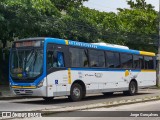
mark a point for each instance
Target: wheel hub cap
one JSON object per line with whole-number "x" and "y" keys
{"x": 76, "y": 92}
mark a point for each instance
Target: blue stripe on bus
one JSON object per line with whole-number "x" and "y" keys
{"x": 35, "y": 83}
{"x": 103, "y": 69}
{"x": 89, "y": 45}
{"x": 54, "y": 40}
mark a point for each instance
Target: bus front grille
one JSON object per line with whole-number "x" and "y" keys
{"x": 23, "y": 92}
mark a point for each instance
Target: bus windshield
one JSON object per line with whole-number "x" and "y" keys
{"x": 26, "y": 63}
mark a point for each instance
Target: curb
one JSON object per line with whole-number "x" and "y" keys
{"x": 14, "y": 97}
{"x": 99, "y": 105}
{"x": 50, "y": 111}
{"x": 10, "y": 98}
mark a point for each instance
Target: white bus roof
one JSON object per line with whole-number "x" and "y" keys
{"x": 111, "y": 45}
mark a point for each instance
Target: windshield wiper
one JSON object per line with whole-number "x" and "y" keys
{"x": 17, "y": 56}
{"x": 29, "y": 60}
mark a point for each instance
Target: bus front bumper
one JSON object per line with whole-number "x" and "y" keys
{"x": 30, "y": 91}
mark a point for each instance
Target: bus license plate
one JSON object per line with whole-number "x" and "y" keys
{"x": 22, "y": 91}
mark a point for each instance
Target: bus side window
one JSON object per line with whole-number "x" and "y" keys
{"x": 60, "y": 59}
{"x": 55, "y": 57}
{"x": 138, "y": 62}
{"x": 97, "y": 58}
{"x": 85, "y": 62}
{"x": 112, "y": 59}
{"x": 148, "y": 61}
{"x": 49, "y": 59}
{"x": 126, "y": 60}
{"x": 78, "y": 57}
{"x": 141, "y": 62}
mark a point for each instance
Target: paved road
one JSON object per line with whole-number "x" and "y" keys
{"x": 138, "y": 109}
{"x": 40, "y": 104}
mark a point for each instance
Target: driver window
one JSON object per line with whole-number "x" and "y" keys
{"x": 55, "y": 58}
{"x": 60, "y": 59}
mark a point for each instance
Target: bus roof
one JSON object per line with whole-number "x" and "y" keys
{"x": 89, "y": 45}
{"x": 28, "y": 39}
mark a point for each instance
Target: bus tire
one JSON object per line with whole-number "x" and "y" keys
{"x": 76, "y": 93}
{"x": 132, "y": 89}
{"x": 108, "y": 93}
{"x": 48, "y": 99}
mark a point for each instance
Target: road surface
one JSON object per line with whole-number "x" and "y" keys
{"x": 39, "y": 104}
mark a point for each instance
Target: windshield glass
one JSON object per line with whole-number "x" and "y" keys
{"x": 26, "y": 63}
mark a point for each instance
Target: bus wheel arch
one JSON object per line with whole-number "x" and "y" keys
{"x": 132, "y": 88}
{"x": 79, "y": 86}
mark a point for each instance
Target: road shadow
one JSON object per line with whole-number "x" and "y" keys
{"x": 87, "y": 99}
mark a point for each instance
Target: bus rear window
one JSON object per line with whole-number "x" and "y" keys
{"x": 148, "y": 62}
{"x": 138, "y": 62}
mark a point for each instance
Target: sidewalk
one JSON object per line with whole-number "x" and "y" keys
{"x": 5, "y": 91}
{"x": 6, "y": 94}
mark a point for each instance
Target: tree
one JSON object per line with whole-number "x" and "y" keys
{"x": 140, "y": 4}
{"x": 66, "y": 5}
{"x": 79, "y": 27}
{"x": 139, "y": 25}
{"x": 31, "y": 18}
{"x": 25, "y": 18}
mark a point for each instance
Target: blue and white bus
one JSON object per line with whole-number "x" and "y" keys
{"x": 51, "y": 67}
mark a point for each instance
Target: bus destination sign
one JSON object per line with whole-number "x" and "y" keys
{"x": 28, "y": 44}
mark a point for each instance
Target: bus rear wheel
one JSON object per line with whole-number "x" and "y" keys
{"x": 48, "y": 99}
{"x": 76, "y": 92}
{"x": 132, "y": 89}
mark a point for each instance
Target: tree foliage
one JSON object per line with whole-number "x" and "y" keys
{"x": 69, "y": 19}
{"x": 140, "y": 4}
{"x": 67, "y": 4}
{"x": 139, "y": 25}
{"x": 25, "y": 18}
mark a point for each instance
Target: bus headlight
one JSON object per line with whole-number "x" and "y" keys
{"x": 40, "y": 84}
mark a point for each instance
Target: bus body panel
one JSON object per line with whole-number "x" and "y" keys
{"x": 96, "y": 80}
{"x": 58, "y": 83}
{"x": 107, "y": 81}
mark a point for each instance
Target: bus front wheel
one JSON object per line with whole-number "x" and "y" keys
{"x": 132, "y": 89}
{"x": 76, "y": 93}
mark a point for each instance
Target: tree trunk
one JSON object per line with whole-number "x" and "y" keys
{"x": 4, "y": 42}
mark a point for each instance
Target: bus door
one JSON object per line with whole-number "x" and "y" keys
{"x": 57, "y": 75}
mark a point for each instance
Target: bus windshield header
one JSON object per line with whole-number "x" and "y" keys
{"x": 28, "y": 44}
